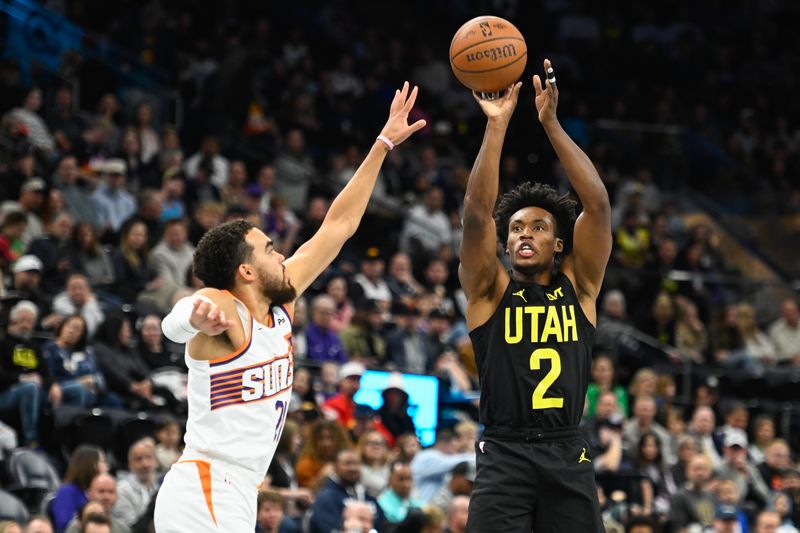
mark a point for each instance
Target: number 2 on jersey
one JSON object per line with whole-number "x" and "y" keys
{"x": 539, "y": 401}
{"x": 280, "y": 406}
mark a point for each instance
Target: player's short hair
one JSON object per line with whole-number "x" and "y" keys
{"x": 528, "y": 194}
{"x": 220, "y": 252}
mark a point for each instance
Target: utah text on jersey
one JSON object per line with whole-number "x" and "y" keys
{"x": 253, "y": 383}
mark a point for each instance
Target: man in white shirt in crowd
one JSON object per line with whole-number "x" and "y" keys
{"x": 136, "y": 491}
{"x": 785, "y": 333}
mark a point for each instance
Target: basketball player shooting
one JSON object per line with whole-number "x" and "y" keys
{"x": 532, "y": 329}
{"x": 238, "y": 337}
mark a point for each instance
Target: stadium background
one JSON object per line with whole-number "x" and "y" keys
{"x": 204, "y": 111}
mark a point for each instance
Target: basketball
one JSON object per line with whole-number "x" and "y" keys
{"x": 487, "y": 54}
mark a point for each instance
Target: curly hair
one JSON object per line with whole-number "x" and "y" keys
{"x": 562, "y": 207}
{"x": 220, "y": 252}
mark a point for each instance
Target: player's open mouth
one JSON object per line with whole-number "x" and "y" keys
{"x": 526, "y": 250}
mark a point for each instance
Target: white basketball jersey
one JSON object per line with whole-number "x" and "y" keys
{"x": 239, "y": 402}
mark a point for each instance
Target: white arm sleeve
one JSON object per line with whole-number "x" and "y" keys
{"x": 176, "y": 325}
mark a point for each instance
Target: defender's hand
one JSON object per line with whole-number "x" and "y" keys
{"x": 546, "y": 97}
{"x": 208, "y": 318}
{"x": 397, "y": 128}
{"x": 502, "y": 108}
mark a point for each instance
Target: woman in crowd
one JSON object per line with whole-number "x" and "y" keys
{"x": 73, "y": 365}
{"x": 343, "y": 314}
{"x": 763, "y": 435}
{"x": 373, "y": 450}
{"x": 130, "y": 263}
{"x": 85, "y": 463}
{"x": 91, "y": 258}
{"x": 281, "y": 473}
{"x": 650, "y": 465}
{"x": 316, "y": 459}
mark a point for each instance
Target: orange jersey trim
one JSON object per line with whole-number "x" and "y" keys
{"x": 204, "y": 471}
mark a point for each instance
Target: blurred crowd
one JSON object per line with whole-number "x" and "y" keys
{"x": 104, "y": 199}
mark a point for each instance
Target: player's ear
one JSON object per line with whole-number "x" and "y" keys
{"x": 247, "y": 271}
{"x": 559, "y": 245}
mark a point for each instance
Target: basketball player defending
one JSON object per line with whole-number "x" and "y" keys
{"x": 239, "y": 350}
{"x": 532, "y": 330}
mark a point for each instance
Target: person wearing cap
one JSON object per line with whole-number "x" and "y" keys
{"x": 370, "y": 283}
{"x": 398, "y": 497}
{"x": 31, "y": 200}
{"x": 23, "y": 372}
{"x": 341, "y": 406}
{"x": 394, "y": 410}
{"x": 738, "y": 467}
{"x": 27, "y": 275}
{"x": 114, "y": 203}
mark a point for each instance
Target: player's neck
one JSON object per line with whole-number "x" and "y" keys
{"x": 258, "y": 304}
{"x": 539, "y": 277}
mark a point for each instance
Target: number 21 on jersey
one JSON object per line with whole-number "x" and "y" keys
{"x": 539, "y": 401}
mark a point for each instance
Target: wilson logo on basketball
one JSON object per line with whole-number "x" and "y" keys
{"x": 499, "y": 52}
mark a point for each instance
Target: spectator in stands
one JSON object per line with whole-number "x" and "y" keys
{"x": 406, "y": 345}
{"x": 38, "y": 524}
{"x": 38, "y": 132}
{"x": 205, "y": 216}
{"x": 271, "y": 516}
{"x": 457, "y": 515}
{"x": 326, "y": 513}
{"x": 171, "y": 260}
{"x": 282, "y": 471}
{"x": 102, "y": 494}
{"x": 763, "y": 435}
{"x": 727, "y": 494}
{"x": 67, "y": 125}
{"x": 340, "y": 407}
{"x": 336, "y": 288}
{"x": 148, "y": 137}
{"x": 155, "y": 350}
{"x": 398, "y": 496}
{"x": 767, "y": 522}
{"x": 25, "y": 283}
{"x": 12, "y": 227}
{"x": 370, "y": 283}
{"x": 95, "y": 523}
{"x": 401, "y": 280}
{"x": 643, "y": 383}
{"x": 632, "y": 241}
{"x": 78, "y": 299}
{"x": 52, "y": 249}
{"x": 644, "y": 421}
{"x": 294, "y": 171}
{"x": 603, "y": 433}
{"x": 691, "y": 337}
{"x": 23, "y": 373}
{"x": 126, "y": 373}
{"x": 136, "y": 490}
{"x": 323, "y": 343}
{"x": 315, "y": 462}
{"x": 362, "y": 339}
{"x": 426, "y": 228}
{"x": 757, "y": 344}
{"x": 131, "y": 263}
{"x": 394, "y": 410}
{"x": 602, "y": 381}
{"x": 209, "y": 150}
{"x": 31, "y": 202}
{"x": 138, "y": 173}
{"x": 459, "y": 483}
{"x": 430, "y": 466}
{"x": 88, "y": 256}
{"x": 85, "y": 463}
{"x": 373, "y": 452}
{"x": 738, "y": 467}
{"x": 736, "y": 417}
{"x": 114, "y": 203}
{"x": 657, "y": 483}
{"x": 168, "y": 447}
{"x": 701, "y": 427}
{"x": 9, "y": 526}
{"x": 791, "y": 486}
{"x": 73, "y": 366}
{"x": 661, "y": 322}
{"x": 233, "y": 193}
{"x": 149, "y": 210}
{"x": 777, "y": 459}
{"x": 785, "y": 333}
{"x": 76, "y": 191}
{"x": 408, "y": 447}
{"x": 358, "y": 516}
{"x": 435, "y": 280}
{"x": 694, "y": 504}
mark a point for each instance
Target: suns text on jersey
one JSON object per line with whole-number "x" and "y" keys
{"x": 268, "y": 380}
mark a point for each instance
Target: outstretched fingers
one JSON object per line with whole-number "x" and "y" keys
{"x": 537, "y": 84}
{"x": 411, "y": 99}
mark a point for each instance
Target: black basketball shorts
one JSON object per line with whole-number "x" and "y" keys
{"x": 534, "y": 480}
